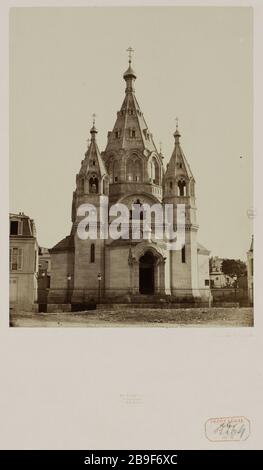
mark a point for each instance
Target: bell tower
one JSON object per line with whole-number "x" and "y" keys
{"x": 92, "y": 179}
{"x": 179, "y": 188}
{"x": 91, "y": 184}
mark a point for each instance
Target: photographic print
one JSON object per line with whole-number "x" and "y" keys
{"x": 131, "y": 163}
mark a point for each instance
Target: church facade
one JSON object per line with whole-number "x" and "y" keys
{"x": 130, "y": 171}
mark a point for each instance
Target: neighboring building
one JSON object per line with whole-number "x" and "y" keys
{"x": 23, "y": 251}
{"x": 250, "y": 271}
{"x": 130, "y": 171}
{"x": 44, "y": 272}
{"x": 44, "y": 261}
{"x": 203, "y": 266}
{"x": 217, "y": 278}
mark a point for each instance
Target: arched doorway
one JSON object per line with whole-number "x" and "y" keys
{"x": 146, "y": 273}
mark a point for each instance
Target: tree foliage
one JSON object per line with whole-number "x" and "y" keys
{"x": 234, "y": 267}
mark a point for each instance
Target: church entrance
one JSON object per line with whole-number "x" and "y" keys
{"x": 146, "y": 274}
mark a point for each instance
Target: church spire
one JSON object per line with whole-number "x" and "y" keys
{"x": 130, "y": 130}
{"x": 93, "y": 162}
{"x": 92, "y": 178}
{"x": 178, "y": 172}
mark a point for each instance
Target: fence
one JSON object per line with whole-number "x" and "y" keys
{"x": 230, "y": 294}
{"x": 88, "y": 298}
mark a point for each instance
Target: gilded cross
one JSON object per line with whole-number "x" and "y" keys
{"x": 93, "y": 118}
{"x": 130, "y": 51}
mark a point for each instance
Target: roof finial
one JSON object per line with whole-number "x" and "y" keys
{"x": 93, "y": 130}
{"x": 129, "y": 76}
{"x": 177, "y": 134}
{"x": 130, "y": 51}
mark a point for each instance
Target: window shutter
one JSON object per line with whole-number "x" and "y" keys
{"x": 14, "y": 253}
{"x": 19, "y": 259}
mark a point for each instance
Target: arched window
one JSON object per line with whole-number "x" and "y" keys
{"x": 130, "y": 170}
{"x": 93, "y": 185}
{"x": 138, "y": 170}
{"x": 152, "y": 172}
{"x": 155, "y": 174}
{"x": 92, "y": 253}
{"x": 133, "y": 213}
{"x": 115, "y": 172}
{"x": 182, "y": 188}
{"x": 134, "y": 169}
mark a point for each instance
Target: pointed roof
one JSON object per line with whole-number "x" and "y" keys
{"x": 178, "y": 165}
{"x": 93, "y": 160}
{"x": 130, "y": 130}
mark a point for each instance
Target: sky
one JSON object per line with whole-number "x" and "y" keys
{"x": 191, "y": 62}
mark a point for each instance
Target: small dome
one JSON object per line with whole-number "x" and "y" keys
{"x": 129, "y": 73}
{"x": 177, "y": 133}
{"x": 177, "y": 136}
{"x": 93, "y": 130}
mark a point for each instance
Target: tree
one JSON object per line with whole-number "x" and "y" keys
{"x": 233, "y": 267}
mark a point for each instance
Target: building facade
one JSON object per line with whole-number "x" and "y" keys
{"x": 44, "y": 273}
{"x": 217, "y": 278}
{"x": 130, "y": 171}
{"x": 23, "y": 250}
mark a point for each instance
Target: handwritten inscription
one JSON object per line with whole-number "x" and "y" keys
{"x": 131, "y": 398}
{"x": 235, "y": 428}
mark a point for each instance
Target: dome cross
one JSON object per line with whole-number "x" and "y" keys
{"x": 130, "y": 51}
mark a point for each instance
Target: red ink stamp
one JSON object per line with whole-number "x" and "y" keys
{"x": 230, "y": 428}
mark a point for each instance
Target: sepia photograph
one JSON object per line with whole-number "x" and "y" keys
{"x": 131, "y": 164}
{"x": 131, "y": 167}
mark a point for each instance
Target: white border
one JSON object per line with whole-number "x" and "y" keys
{"x": 63, "y": 388}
